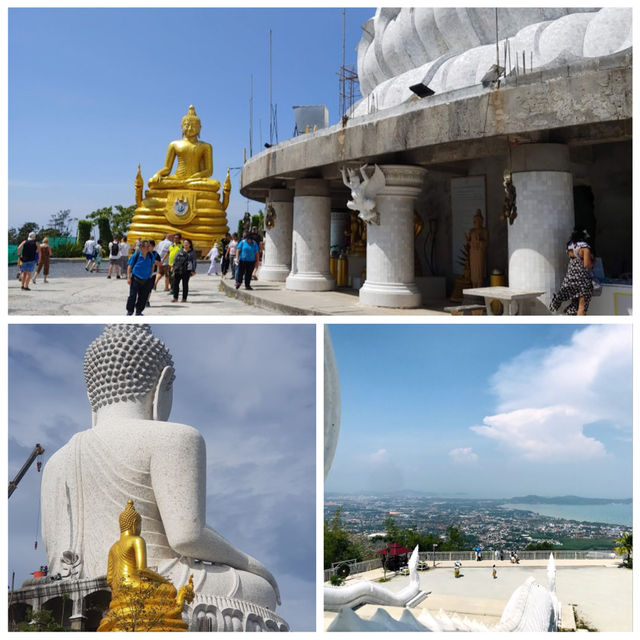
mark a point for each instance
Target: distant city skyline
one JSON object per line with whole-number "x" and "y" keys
{"x": 484, "y": 411}
{"x": 259, "y": 432}
{"x": 92, "y": 92}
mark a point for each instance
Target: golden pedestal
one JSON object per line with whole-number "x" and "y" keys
{"x": 202, "y": 219}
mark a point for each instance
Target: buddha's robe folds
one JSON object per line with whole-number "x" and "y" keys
{"x": 84, "y": 486}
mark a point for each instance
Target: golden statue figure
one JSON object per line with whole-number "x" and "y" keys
{"x": 139, "y": 185}
{"x": 141, "y": 599}
{"x": 358, "y": 236}
{"x": 478, "y": 240}
{"x": 187, "y": 201}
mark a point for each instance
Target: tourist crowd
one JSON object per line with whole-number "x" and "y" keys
{"x": 174, "y": 260}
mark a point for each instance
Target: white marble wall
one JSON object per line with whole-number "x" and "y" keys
{"x": 537, "y": 239}
{"x": 276, "y": 265}
{"x": 390, "y": 245}
{"x": 311, "y": 237}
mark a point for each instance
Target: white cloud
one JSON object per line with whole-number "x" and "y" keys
{"x": 549, "y": 434}
{"x": 463, "y": 455}
{"x": 379, "y": 457}
{"x": 591, "y": 373}
{"x": 547, "y": 396}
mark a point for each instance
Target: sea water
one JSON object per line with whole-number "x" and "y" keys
{"x": 612, "y": 513}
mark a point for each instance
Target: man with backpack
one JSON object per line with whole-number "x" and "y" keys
{"x": 114, "y": 257}
{"x": 140, "y": 277}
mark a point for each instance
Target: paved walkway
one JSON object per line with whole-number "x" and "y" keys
{"x": 601, "y": 589}
{"x": 273, "y": 295}
{"x": 73, "y": 291}
{"x": 95, "y": 295}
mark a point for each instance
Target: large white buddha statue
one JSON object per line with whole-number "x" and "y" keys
{"x": 132, "y": 452}
{"x": 451, "y": 48}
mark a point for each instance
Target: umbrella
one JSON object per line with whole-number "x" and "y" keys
{"x": 395, "y": 549}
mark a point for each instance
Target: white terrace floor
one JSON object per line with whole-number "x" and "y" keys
{"x": 600, "y": 589}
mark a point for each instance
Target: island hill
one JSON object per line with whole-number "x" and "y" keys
{"x": 533, "y": 499}
{"x": 528, "y": 499}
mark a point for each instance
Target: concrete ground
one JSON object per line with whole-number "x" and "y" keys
{"x": 73, "y": 291}
{"x": 84, "y": 294}
{"x": 601, "y": 589}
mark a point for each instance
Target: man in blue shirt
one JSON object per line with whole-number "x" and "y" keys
{"x": 139, "y": 277}
{"x": 246, "y": 251}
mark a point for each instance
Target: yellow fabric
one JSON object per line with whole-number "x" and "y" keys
{"x": 173, "y": 251}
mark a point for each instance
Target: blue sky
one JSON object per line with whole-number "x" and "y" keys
{"x": 259, "y": 429}
{"x": 484, "y": 410}
{"x": 94, "y": 92}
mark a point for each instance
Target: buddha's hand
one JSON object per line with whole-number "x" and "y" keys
{"x": 186, "y": 593}
{"x": 260, "y": 570}
{"x": 157, "y": 177}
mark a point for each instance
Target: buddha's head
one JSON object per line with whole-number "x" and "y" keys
{"x": 130, "y": 520}
{"x": 127, "y": 367}
{"x": 191, "y": 123}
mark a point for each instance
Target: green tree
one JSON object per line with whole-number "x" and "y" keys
{"x": 541, "y": 546}
{"x": 104, "y": 230}
{"x": 625, "y": 547}
{"x": 24, "y": 231}
{"x": 121, "y": 220}
{"x": 118, "y": 221}
{"x": 84, "y": 231}
{"x": 338, "y": 544}
{"x": 105, "y": 212}
{"x": 40, "y": 621}
{"x": 391, "y": 528}
{"x": 62, "y": 223}
{"x": 257, "y": 220}
{"x": 49, "y": 232}
{"x": 455, "y": 540}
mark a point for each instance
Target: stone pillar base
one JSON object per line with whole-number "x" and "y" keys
{"x": 77, "y": 622}
{"x": 311, "y": 282}
{"x": 273, "y": 273}
{"x": 394, "y": 295}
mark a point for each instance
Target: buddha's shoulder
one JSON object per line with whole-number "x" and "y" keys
{"x": 169, "y": 430}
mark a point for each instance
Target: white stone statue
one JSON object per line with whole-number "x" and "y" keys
{"x": 132, "y": 452}
{"x": 531, "y": 608}
{"x": 364, "y": 192}
{"x": 331, "y": 402}
{"x": 367, "y": 592}
{"x": 454, "y": 47}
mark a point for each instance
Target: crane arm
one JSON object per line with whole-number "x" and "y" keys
{"x": 37, "y": 450}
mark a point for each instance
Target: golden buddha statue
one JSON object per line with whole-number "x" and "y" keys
{"x": 187, "y": 201}
{"x": 141, "y": 599}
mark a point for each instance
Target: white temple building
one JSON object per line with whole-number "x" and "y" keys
{"x": 542, "y": 96}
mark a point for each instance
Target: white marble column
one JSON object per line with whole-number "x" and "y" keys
{"x": 390, "y": 245}
{"x": 310, "y": 245}
{"x": 277, "y": 241}
{"x": 538, "y": 236}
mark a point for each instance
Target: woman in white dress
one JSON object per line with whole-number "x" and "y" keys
{"x": 214, "y": 254}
